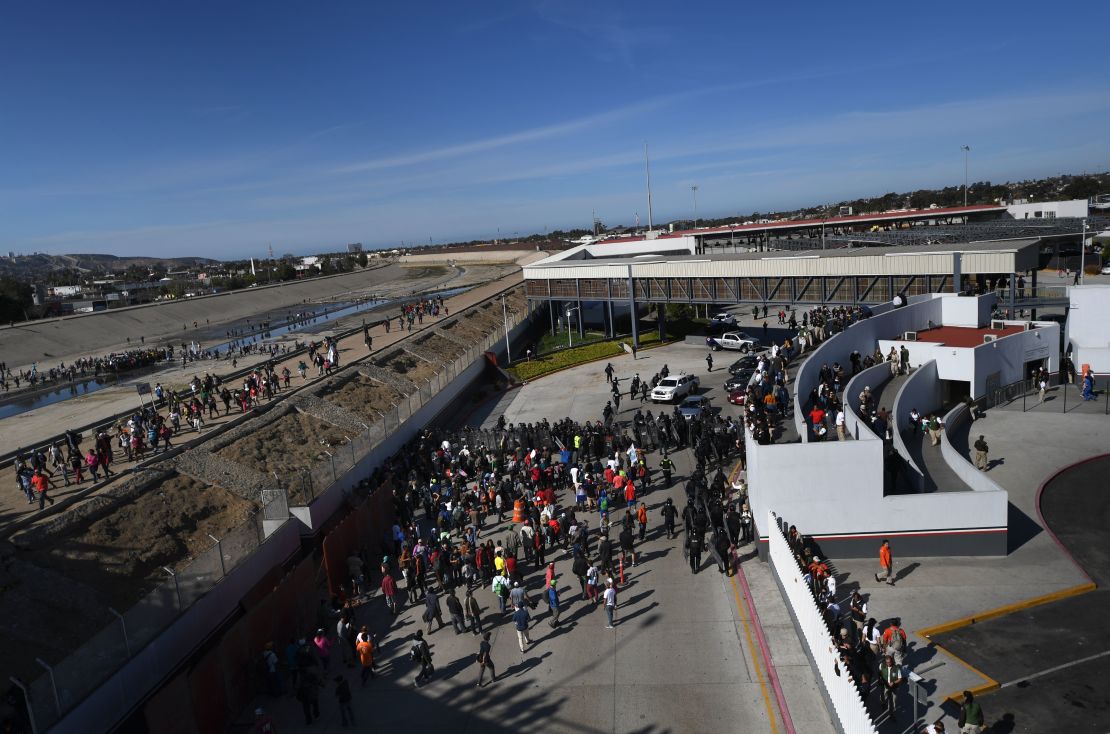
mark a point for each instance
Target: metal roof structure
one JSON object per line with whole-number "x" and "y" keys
{"x": 855, "y": 220}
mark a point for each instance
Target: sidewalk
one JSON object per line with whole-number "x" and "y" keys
{"x": 1027, "y": 449}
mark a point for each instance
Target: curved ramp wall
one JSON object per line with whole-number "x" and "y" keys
{"x": 978, "y": 481}
{"x": 861, "y": 336}
{"x": 857, "y": 424}
{"x": 921, "y": 390}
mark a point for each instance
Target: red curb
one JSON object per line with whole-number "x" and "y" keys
{"x": 765, "y": 650}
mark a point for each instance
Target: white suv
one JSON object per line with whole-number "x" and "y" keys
{"x": 674, "y": 387}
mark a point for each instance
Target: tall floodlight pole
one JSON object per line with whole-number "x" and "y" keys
{"x": 966, "y": 149}
{"x": 647, "y": 172}
{"x": 694, "y": 189}
{"x": 1083, "y": 252}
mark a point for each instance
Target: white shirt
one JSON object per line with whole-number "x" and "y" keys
{"x": 840, "y": 418}
{"x": 610, "y": 597}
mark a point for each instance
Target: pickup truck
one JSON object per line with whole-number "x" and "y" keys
{"x": 737, "y": 340}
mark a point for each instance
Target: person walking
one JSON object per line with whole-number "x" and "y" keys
{"x": 553, "y": 604}
{"x": 472, "y": 612}
{"x": 981, "y": 449}
{"x": 521, "y": 619}
{"x": 484, "y": 660}
{"x": 886, "y": 564}
{"x": 365, "y": 650}
{"x": 455, "y": 609}
{"x": 709, "y": 362}
{"x": 642, "y": 519}
{"x": 971, "y": 715}
{"x": 343, "y": 696}
{"x": 890, "y": 677}
{"x": 610, "y": 603}
{"x": 41, "y": 484}
{"x": 308, "y": 693}
{"x": 421, "y": 653}
{"x": 432, "y": 610}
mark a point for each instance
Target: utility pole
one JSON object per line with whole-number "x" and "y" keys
{"x": 967, "y": 150}
{"x": 647, "y": 171}
{"x": 694, "y": 189}
{"x": 1083, "y": 252}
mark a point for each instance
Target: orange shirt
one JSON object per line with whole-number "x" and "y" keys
{"x": 884, "y": 556}
{"x": 365, "y": 650}
{"x": 38, "y": 481}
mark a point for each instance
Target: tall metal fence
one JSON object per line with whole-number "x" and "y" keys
{"x": 66, "y": 683}
{"x": 303, "y": 487}
{"x": 850, "y": 710}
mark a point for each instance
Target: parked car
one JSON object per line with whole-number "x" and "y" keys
{"x": 744, "y": 364}
{"x": 1105, "y": 270}
{"x": 736, "y": 340}
{"x": 722, "y": 320}
{"x": 739, "y": 380}
{"x": 738, "y": 397}
{"x": 674, "y": 387}
{"x": 694, "y": 406}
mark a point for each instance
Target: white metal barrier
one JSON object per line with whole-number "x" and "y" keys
{"x": 840, "y": 689}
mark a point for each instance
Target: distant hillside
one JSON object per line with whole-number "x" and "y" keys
{"x": 36, "y": 267}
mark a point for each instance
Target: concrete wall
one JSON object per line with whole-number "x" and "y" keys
{"x": 978, "y": 481}
{"x": 1087, "y": 331}
{"x": 972, "y": 311}
{"x": 861, "y": 336}
{"x": 1009, "y": 355}
{"x": 921, "y": 390}
{"x": 833, "y": 491}
{"x": 858, "y": 426}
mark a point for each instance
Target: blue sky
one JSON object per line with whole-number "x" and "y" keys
{"x": 216, "y": 129}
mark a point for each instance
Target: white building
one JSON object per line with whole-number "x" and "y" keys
{"x": 1048, "y": 209}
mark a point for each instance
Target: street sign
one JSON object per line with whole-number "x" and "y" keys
{"x": 143, "y": 388}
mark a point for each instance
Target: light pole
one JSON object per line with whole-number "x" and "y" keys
{"x": 505, "y": 317}
{"x": 1083, "y": 251}
{"x": 694, "y": 189}
{"x": 570, "y": 331}
{"x": 966, "y": 149}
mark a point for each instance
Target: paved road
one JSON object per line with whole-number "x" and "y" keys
{"x": 1042, "y": 656}
{"x": 679, "y": 660}
{"x": 14, "y": 507}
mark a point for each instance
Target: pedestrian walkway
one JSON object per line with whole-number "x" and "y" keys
{"x": 679, "y": 659}
{"x": 14, "y": 509}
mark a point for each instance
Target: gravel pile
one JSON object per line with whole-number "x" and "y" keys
{"x": 240, "y": 480}
{"x": 330, "y": 413}
{"x": 388, "y": 377}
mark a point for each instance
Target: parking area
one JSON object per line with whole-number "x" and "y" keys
{"x": 1052, "y": 661}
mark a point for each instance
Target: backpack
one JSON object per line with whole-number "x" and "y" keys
{"x": 897, "y": 643}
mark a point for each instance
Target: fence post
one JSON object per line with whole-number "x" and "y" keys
{"x": 220, "y": 550}
{"x": 176, "y": 585}
{"x": 26, "y": 703}
{"x": 331, "y": 460}
{"x": 352, "y": 445}
{"x": 123, "y": 624}
{"x": 53, "y": 686}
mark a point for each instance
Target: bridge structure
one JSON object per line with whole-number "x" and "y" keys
{"x": 625, "y": 278}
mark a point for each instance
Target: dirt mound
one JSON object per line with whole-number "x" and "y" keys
{"x": 408, "y": 366}
{"x": 362, "y": 396}
{"x": 167, "y": 525}
{"x": 293, "y": 442}
{"x": 447, "y": 350}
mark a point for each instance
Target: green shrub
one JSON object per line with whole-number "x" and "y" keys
{"x": 549, "y": 363}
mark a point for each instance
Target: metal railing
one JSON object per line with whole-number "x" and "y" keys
{"x": 1060, "y": 395}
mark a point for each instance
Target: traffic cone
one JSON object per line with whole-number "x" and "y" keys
{"x": 518, "y": 511}
{"x": 622, "y": 572}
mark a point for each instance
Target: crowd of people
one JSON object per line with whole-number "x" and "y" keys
{"x": 573, "y": 494}
{"x": 111, "y": 364}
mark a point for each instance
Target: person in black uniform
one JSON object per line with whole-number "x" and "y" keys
{"x": 669, "y": 514}
{"x": 695, "y": 553}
